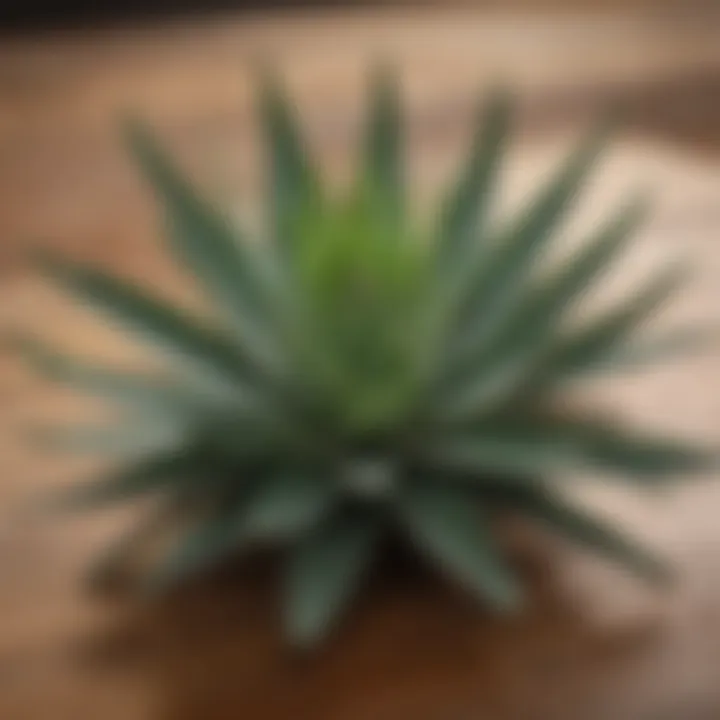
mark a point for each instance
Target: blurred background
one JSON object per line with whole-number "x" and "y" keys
{"x": 595, "y": 647}
{"x": 34, "y": 12}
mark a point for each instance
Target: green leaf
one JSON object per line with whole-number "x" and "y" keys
{"x": 200, "y": 550}
{"x": 288, "y": 504}
{"x": 667, "y": 346}
{"x": 548, "y": 446}
{"x": 477, "y": 397}
{"x": 242, "y": 438}
{"x": 214, "y": 361}
{"x": 531, "y": 320}
{"x": 294, "y": 182}
{"x": 136, "y": 436}
{"x": 503, "y": 275}
{"x": 539, "y": 363}
{"x": 208, "y": 245}
{"x": 464, "y": 214}
{"x": 583, "y": 529}
{"x": 131, "y": 389}
{"x": 172, "y": 471}
{"x": 323, "y": 574}
{"x": 447, "y": 525}
{"x": 643, "y": 457}
{"x": 589, "y": 346}
{"x": 493, "y": 362}
{"x": 383, "y": 174}
{"x": 485, "y": 451}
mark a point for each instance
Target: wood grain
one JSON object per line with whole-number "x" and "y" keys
{"x": 597, "y": 645}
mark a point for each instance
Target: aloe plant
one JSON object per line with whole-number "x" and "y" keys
{"x": 362, "y": 372}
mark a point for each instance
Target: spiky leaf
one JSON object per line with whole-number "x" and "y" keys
{"x": 383, "y": 178}
{"x": 597, "y": 340}
{"x": 214, "y": 360}
{"x": 137, "y": 436}
{"x": 503, "y": 274}
{"x": 200, "y": 549}
{"x": 666, "y": 346}
{"x": 294, "y": 185}
{"x": 209, "y": 245}
{"x": 531, "y": 319}
{"x": 154, "y": 474}
{"x": 323, "y": 573}
{"x": 549, "y": 446}
{"x": 463, "y": 220}
{"x": 446, "y": 524}
{"x": 286, "y": 505}
{"x": 581, "y": 528}
{"x": 126, "y": 388}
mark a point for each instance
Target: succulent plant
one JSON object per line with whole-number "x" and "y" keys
{"x": 364, "y": 373}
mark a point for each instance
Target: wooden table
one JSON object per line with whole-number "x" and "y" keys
{"x": 597, "y": 646}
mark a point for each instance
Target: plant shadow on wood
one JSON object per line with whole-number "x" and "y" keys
{"x": 415, "y": 648}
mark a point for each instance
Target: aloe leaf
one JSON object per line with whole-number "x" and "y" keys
{"x": 583, "y": 349}
{"x": 201, "y": 549}
{"x": 294, "y": 181}
{"x": 135, "y": 436}
{"x": 446, "y": 525}
{"x": 383, "y": 176}
{"x": 163, "y": 472}
{"x": 288, "y": 504}
{"x": 583, "y": 529}
{"x": 551, "y": 446}
{"x": 209, "y": 246}
{"x": 503, "y": 275}
{"x": 481, "y": 394}
{"x": 539, "y": 309}
{"x": 212, "y": 360}
{"x": 464, "y": 213}
{"x": 666, "y": 346}
{"x": 323, "y": 573}
{"x": 130, "y": 389}
{"x": 539, "y": 363}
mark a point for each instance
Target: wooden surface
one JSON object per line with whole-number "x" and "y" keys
{"x": 598, "y": 645}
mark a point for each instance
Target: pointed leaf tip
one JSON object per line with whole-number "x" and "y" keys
{"x": 294, "y": 181}
{"x": 382, "y": 178}
{"x": 596, "y": 535}
{"x": 466, "y": 208}
{"x": 323, "y": 575}
{"x": 447, "y": 525}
